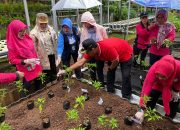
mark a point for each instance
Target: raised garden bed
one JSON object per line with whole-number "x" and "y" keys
{"x": 20, "y": 118}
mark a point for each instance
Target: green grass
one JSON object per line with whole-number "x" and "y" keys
{"x": 118, "y": 35}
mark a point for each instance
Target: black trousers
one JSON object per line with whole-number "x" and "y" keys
{"x": 137, "y": 52}
{"x": 154, "y": 94}
{"x": 154, "y": 58}
{"x": 52, "y": 73}
{"x": 66, "y": 62}
{"x": 126, "y": 78}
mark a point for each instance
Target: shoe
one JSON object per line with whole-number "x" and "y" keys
{"x": 126, "y": 97}
{"x": 129, "y": 98}
{"x": 173, "y": 120}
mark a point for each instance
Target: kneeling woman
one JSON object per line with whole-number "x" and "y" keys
{"x": 163, "y": 79}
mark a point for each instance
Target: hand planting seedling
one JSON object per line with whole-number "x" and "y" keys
{"x": 42, "y": 77}
{"x": 72, "y": 114}
{"x": 5, "y": 126}
{"x": 97, "y": 85}
{"x": 80, "y": 101}
{"x": 19, "y": 85}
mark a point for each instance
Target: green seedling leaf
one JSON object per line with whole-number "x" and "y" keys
{"x": 19, "y": 85}
{"x": 80, "y": 101}
{"x": 72, "y": 114}
{"x": 2, "y": 110}
{"x": 103, "y": 120}
{"x": 42, "y": 77}
{"x": 40, "y": 104}
{"x": 113, "y": 123}
{"x": 97, "y": 85}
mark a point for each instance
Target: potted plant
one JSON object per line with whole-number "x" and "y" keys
{"x": 21, "y": 90}
{"x": 86, "y": 124}
{"x": 72, "y": 114}
{"x": 30, "y": 104}
{"x": 80, "y": 102}
{"x": 2, "y": 113}
{"x": 66, "y": 105}
{"x": 40, "y": 105}
{"x": 78, "y": 128}
{"x": 90, "y": 67}
{"x": 67, "y": 78}
{"x": 97, "y": 85}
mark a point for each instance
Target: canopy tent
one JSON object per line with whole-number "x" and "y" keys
{"x": 77, "y": 4}
{"x": 170, "y": 4}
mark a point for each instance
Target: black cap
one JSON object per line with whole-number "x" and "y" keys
{"x": 143, "y": 14}
{"x": 88, "y": 44}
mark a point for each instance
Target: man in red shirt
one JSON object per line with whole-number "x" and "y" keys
{"x": 115, "y": 51}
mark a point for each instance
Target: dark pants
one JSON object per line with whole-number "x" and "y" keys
{"x": 154, "y": 94}
{"x": 51, "y": 74}
{"x": 66, "y": 62}
{"x": 126, "y": 78}
{"x": 100, "y": 67}
{"x": 30, "y": 86}
{"x": 154, "y": 58}
{"x": 137, "y": 52}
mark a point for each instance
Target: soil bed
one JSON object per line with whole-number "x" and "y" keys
{"x": 20, "y": 118}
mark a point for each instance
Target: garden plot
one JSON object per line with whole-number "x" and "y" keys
{"x": 56, "y": 109}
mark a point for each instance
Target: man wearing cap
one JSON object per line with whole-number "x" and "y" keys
{"x": 115, "y": 51}
{"x": 45, "y": 40}
{"x": 141, "y": 43}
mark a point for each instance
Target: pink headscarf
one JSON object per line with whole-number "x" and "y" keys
{"x": 24, "y": 47}
{"x": 20, "y": 49}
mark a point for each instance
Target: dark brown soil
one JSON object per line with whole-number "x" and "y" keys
{"x": 20, "y": 118}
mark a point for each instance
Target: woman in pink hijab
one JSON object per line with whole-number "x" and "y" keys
{"x": 163, "y": 79}
{"x": 21, "y": 51}
{"x": 161, "y": 34}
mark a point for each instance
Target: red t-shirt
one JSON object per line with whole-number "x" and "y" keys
{"x": 112, "y": 49}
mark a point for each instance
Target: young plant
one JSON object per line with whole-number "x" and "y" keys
{"x": 151, "y": 114}
{"x": 5, "y": 126}
{"x": 42, "y": 77}
{"x": 40, "y": 104}
{"x": 103, "y": 120}
{"x": 90, "y": 67}
{"x": 167, "y": 43}
{"x": 67, "y": 77}
{"x": 144, "y": 64}
{"x": 78, "y": 128}
{"x": 80, "y": 101}
{"x": 19, "y": 85}
{"x": 3, "y": 93}
{"x": 72, "y": 114}
{"x": 2, "y": 110}
{"x": 113, "y": 123}
{"x": 97, "y": 85}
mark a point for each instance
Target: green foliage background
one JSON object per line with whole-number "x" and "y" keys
{"x": 10, "y": 11}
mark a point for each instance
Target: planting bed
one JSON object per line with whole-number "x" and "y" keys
{"x": 20, "y": 118}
